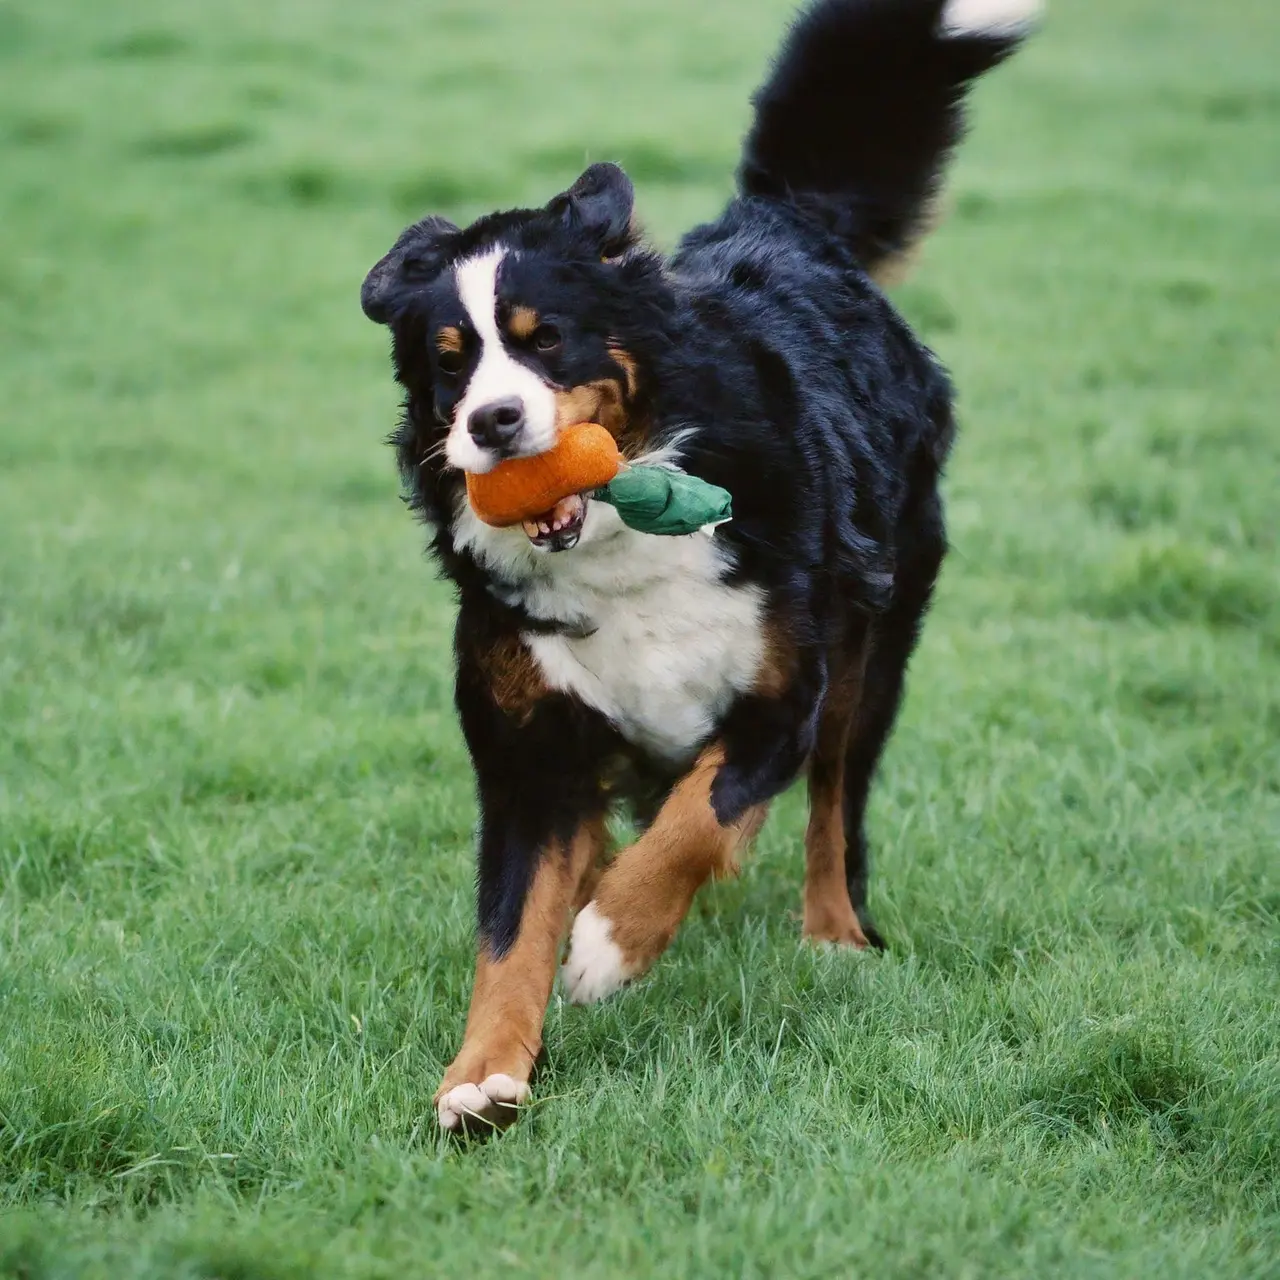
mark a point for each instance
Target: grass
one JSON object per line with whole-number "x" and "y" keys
{"x": 235, "y": 812}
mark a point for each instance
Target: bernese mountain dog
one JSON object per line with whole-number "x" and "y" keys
{"x": 691, "y": 677}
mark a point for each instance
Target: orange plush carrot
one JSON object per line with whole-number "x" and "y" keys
{"x": 585, "y": 457}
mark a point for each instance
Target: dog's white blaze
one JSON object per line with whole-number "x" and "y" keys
{"x": 989, "y": 17}
{"x": 497, "y": 375}
{"x": 594, "y": 967}
{"x": 671, "y": 645}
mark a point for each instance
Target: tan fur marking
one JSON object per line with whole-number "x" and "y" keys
{"x": 897, "y": 267}
{"x": 777, "y": 666}
{"x": 509, "y": 998}
{"x": 449, "y": 339}
{"x": 603, "y": 401}
{"x": 648, "y": 888}
{"x": 627, "y": 363}
{"x": 515, "y": 679}
{"x": 522, "y": 322}
{"x": 599, "y": 401}
{"x": 590, "y": 878}
{"x": 828, "y": 913}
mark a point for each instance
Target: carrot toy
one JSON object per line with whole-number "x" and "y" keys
{"x": 585, "y": 459}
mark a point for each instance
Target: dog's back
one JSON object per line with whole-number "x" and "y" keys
{"x": 841, "y": 419}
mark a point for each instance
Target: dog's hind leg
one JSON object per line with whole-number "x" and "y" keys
{"x": 646, "y": 891}
{"x": 829, "y": 916}
{"x": 893, "y": 639}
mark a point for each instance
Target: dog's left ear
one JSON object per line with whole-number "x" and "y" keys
{"x": 600, "y": 204}
{"x": 417, "y": 255}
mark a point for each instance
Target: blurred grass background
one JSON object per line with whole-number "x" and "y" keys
{"x": 235, "y": 812}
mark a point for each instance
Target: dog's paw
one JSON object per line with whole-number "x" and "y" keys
{"x": 839, "y": 927}
{"x": 481, "y": 1108}
{"x": 596, "y": 966}
{"x": 834, "y": 938}
{"x": 836, "y": 944}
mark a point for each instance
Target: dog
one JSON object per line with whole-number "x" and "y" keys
{"x": 693, "y": 677}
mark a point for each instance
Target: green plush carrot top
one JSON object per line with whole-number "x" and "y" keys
{"x": 660, "y": 500}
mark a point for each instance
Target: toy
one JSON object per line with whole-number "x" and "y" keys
{"x": 585, "y": 457}
{"x": 665, "y": 501}
{"x": 648, "y": 498}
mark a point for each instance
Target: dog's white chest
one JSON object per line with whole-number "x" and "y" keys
{"x": 665, "y": 660}
{"x": 669, "y": 645}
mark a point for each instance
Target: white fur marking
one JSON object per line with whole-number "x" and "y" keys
{"x": 594, "y": 968}
{"x": 497, "y": 375}
{"x": 989, "y": 17}
{"x": 671, "y": 645}
{"x": 493, "y": 1101}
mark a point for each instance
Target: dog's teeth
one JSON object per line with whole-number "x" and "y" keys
{"x": 530, "y": 527}
{"x": 567, "y": 510}
{"x": 543, "y": 529}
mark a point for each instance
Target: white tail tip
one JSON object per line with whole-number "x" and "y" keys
{"x": 989, "y": 17}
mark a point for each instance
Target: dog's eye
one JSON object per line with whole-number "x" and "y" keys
{"x": 449, "y": 362}
{"x": 546, "y": 337}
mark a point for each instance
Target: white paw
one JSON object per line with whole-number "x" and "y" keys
{"x": 989, "y": 17}
{"x": 491, "y": 1103}
{"x": 595, "y": 967}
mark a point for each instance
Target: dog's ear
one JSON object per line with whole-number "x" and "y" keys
{"x": 600, "y": 204}
{"x": 416, "y": 256}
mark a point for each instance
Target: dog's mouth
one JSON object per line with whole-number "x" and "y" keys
{"x": 560, "y": 528}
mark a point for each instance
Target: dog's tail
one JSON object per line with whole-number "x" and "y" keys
{"x": 865, "y": 105}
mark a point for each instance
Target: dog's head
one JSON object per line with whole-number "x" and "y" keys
{"x": 517, "y": 326}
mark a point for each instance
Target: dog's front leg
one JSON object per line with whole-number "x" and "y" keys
{"x": 538, "y": 760}
{"x": 710, "y": 814}
{"x": 646, "y": 891}
{"x": 515, "y": 968}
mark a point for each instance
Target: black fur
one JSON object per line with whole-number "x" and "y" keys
{"x": 538, "y": 778}
{"x": 802, "y": 390}
{"x": 860, "y": 114}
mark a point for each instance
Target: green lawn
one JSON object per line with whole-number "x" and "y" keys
{"x": 235, "y": 810}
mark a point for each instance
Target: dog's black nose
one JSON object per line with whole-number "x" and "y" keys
{"x": 496, "y": 424}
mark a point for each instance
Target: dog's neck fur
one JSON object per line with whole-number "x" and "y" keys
{"x": 571, "y": 588}
{"x": 645, "y": 628}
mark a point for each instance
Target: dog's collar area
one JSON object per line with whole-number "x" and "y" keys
{"x": 570, "y": 628}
